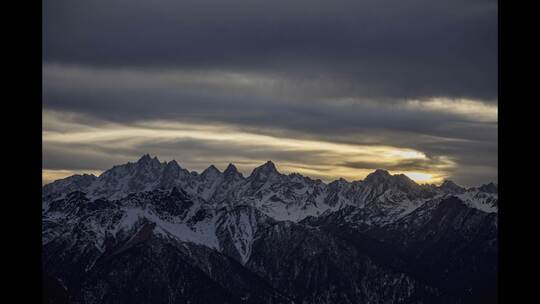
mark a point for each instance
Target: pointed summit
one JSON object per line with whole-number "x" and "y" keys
{"x": 210, "y": 172}
{"x": 405, "y": 180}
{"x": 342, "y": 180}
{"x": 269, "y": 164}
{"x": 381, "y": 172}
{"x": 451, "y": 187}
{"x": 147, "y": 161}
{"x": 144, "y": 159}
{"x": 231, "y": 171}
{"x": 378, "y": 175}
{"x": 489, "y": 188}
{"x": 171, "y": 170}
{"x": 381, "y": 176}
{"x": 173, "y": 163}
{"x": 266, "y": 170}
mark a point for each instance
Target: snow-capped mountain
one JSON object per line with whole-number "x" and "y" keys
{"x": 267, "y": 238}
{"x": 282, "y": 197}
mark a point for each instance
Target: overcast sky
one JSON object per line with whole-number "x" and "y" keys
{"x": 326, "y": 88}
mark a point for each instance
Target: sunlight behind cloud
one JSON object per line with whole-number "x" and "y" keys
{"x": 465, "y": 107}
{"x": 48, "y": 176}
{"x": 315, "y": 158}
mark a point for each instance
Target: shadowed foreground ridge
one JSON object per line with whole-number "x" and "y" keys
{"x": 153, "y": 232}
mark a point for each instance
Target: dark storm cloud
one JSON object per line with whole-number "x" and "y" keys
{"x": 383, "y": 49}
{"x": 125, "y": 97}
{"x": 333, "y": 71}
{"x": 260, "y": 105}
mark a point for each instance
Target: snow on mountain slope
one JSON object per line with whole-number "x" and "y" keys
{"x": 283, "y": 230}
{"x": 282, "y": 197}
{"x": 175, "y": 214}
{"x": 480, "y": 200}
{"x": 62, "y": 187}
{"x": 237, "y": 228}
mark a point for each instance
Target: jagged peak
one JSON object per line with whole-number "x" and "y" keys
{"x": 173, "y": 163}
{"x": 145, "y": 158}
{"x": 231, "y": 170}
{"x": 380, "y": 172}
{"x": 381, "y": 176}
{"x": 378, "y": 175}
{"x": 489, "y": 188}
{"x": 173, "y": 168}
{"x": 338, "y": 182}
{"x": 210, "y": 171}
{"x": 266, "y": 169}
{"x": 298, "y": 176}
{"x": 269, "y": 164}
{"x": 449, "y": 185}
{"x": 213, "y": 168}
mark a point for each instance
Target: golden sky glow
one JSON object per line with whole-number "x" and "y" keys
{"x": 344, "y": 109}
{"x": 318, "y": 159}
{"x": 465, "y": 107}
{"x": 48, "y": 176}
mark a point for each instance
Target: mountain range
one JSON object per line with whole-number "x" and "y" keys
{"x": 154, "y": 232}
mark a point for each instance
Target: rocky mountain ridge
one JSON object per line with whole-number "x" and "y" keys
{"x": 168, "y": 235}
{"x": 283, "y": 197}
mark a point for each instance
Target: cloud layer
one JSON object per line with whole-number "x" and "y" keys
{"x": 416, "y": 76}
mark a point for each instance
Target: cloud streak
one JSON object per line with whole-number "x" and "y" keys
{"x": 391, "y": 49}
{"x": 205, "y": 82}
{"x": 196, "y": 147}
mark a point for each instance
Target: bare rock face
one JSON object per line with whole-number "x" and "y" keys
{"x": 149, "y": 269}
{"x": 317, "y": 267}
{"x": 152, "y": 232}
{"x": 444, "y": 242}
